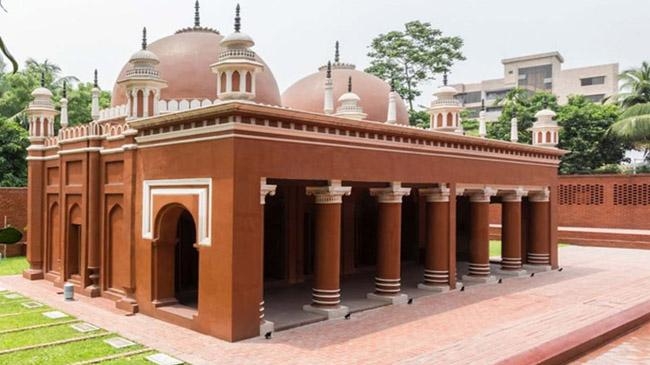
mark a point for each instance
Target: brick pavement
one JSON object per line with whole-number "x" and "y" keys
{"x": 482, "y": 325}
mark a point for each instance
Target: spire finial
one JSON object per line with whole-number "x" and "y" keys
{"x": 336, "y": 52}
{"x": 65, "y": 89}
{"x": 350, "y": 84}
{"x": 42, "y": 78}
{"x": 444, "y": 78}
{"x": 483, "y": 104}
{"x": 197, "y": 19}
{"x": 96, "y": 84}
{"x": 144, "y": 38}
{"x": 329, "y": 70}
{"x": 237, "y": 19}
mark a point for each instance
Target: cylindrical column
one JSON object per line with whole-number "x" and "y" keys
{"x": 326, "y": 291}
{"x": 436, "y": 265}
{"x": 93, "y": 244}
{"x": 511, "y": 229}
{"x": 388, "y": 276}
{"x": 539, "y": 232}
{"x": 479, "y": 237}
{"x": 265, "y": 189}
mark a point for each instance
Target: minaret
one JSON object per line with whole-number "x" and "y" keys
{"x": 41, "y": 113}
{"x": 482, "y": 123}
{"x": 64, "y": 106}
{"x": 197, "y": 16}
{"x": 445, "y": 110}
{"x": 514, "y": 131}
{"x": 143, "y": 83}
{"x": 237, "y": 66}
{"x": 391, "y": 118}
{"x": 545, "y": 130}
{"x": 350, "y": 105}
{"x": 328, "y": 104}
{"x": 94, "y": 112}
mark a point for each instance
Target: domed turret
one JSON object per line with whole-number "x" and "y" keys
{"x": 545, "y": 130}
{"x": 237, "y": 68}
{"x": 308, "y": 94}
{"x": 41, "y": 113}
{"x": 445, "y": 110}
{"x": 350, "y": 105}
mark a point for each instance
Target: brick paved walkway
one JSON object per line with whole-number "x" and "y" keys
{"x": 482, "y": 325}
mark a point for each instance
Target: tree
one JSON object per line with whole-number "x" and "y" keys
{"x": 79, "y": 100}
{"x": 522, "y": 104}
{"x": 584, "y": 134}
{"x": 412, "y": 57}
{"x": 13, "y": 153}
{"x": 635, "y": 86}
{"x": 5, "y": 50}
{"x": 634, "y": 126}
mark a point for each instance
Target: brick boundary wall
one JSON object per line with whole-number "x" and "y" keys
{"x": 13, "y": 205}
{"x": 599, "y": 210}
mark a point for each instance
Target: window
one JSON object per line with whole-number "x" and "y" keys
{"x": 470, "y": 97}
{"x": 496, "y": 94}
{"x": 534, "y": 78}
{"x": 597, "y": 98}
{"x": 596, "y": 80}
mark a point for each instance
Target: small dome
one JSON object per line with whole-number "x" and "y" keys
{"x": 238, "y": 39}
{"x": 545, "y": 113}
{"x": 144, "y": 55}
{"x": 349, "y": 96}
{"x": 446, "y": 90}
{"x": 308, "y": 93}
{"x": 41, "y": 91}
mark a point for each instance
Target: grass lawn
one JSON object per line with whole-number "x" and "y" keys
{"x": 55, "y": 341}
{"x": 495, "y": 247}
{"x": 13, "y": 265}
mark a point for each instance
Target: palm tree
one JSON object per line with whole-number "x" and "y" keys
{"x": 50, "y": 69}
{"x": 635, "y": 87}
{"x": 634, "y": 126}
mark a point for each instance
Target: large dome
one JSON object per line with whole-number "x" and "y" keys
{"x": 185, "y": 60}
{"x": 307, "y": 94}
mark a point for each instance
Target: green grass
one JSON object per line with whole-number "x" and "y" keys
{"x": 66, "y": 353}
{"x": 41, "y": 335}
{"x": 495, "y": 247}
{"x": 132, "y": 360}
{"x": 13, "y": 265}
{"x": 15, "y": 306}
{"x": 27, "y": 319}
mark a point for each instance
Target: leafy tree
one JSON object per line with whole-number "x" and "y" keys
{"x": 420, "y": 118}
{"x": 634, "y": 126}
{"x": 13, "y": 152}
{"x": 584, "y": 134}
{"x": 413, "y": 56}
{"x": 635, "y": 86}
{"x": 4, "y": 50}
{"x": 524, "y": 105}
{"x": 470, "y": 125}
{"x": 79, "y": 100}
{"x": 10, "y": 235}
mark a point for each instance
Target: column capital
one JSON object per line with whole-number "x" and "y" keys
{"x": 391, "y": 194}
{"x": 330, "y": 194}
{"x": 539, "y": 196}
{"x": 512, "y": 196}
{"x": 481, "y": 195}
{"x": 266, "y": 189}
{"x": 439, "y": 194}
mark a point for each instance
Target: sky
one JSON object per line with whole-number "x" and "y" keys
{"x": 295, "y": 37}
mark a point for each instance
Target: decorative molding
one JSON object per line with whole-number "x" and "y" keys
{"x": 512, "y": 196}
{"x": 439, "y": 194}
{"x": 392, "y": 194}
{"x": 266, "y": 189}
{"x": 201, "y": 187}
{"x": 539, "y": 196}
{"x": 331, "y": 194}
{"x": 482, "y": 195}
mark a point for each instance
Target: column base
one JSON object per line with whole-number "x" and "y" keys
{"x": 537, "y": 268}
{"x": 266, "y": 327}
{"x": 515, "y": 273}
{"x": 333, "y": 312}
{"x": 33, "y": 274}
{"x": 392, "y": 299}
{"x": 92, "y": 291}
{"x": 437, "y": 288}
{"x": 127, "y": 305}
{"x": 469, "y": 279}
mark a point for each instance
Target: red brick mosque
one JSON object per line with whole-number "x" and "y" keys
{"x": 203, "y": 189}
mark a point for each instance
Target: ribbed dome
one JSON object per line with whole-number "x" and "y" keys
{"x": 41, "y": 91}
{"x": 308, "y": 93}
{"x": 144, "y": 55}
{"x": 185, "y": 60}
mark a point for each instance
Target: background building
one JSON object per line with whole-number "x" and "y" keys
{"x": 540, "y": 72}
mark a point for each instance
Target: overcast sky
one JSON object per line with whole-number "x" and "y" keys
{"x": 295, "y": 37}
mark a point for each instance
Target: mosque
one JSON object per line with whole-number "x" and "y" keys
{"x": 203, "y": 193}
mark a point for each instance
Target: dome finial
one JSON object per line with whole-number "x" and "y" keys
{"x": 197, "y": 18}
{"x": 444, "y": 78}
{"x": 336, "y": 52}
{"x": 329, "y": 70}
{"x": 42, "y": 78}
{"x": 96, "y": 84}
{"x": 350, "y": 84}
{"x": 237, "y": 19}
{"x": 482, "y": 104}
{"x": 65, "y": 89}
{"x": 144, "y": 38}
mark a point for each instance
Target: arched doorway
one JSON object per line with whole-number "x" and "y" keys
{"x": 175, "y": 258}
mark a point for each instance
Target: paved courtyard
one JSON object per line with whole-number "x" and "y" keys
{"x": 481, "y": 325}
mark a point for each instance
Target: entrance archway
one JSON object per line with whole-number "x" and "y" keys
{"x": 175, "y": 258}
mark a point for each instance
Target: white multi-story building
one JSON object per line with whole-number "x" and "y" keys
{"x": 540, "y": 72}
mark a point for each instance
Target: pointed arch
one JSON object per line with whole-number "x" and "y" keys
{"x": 439, "y": 121}
{"x": 236, "y": 80}
{"x": 117, "y": 247}
{"x": 450, "y": 119}
{"x": 249, "y": 82}
{"x": 222, "y": 82}
{"x": 140, "y": 104}
{"x": 73, "y": 241}
{"x": 54, "y": 240}
{"x": 548, "y": 137}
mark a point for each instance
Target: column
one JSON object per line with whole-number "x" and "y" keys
{"x": 539, "y": 239}
{"x": 129, "y": 110}
{"x": 91, "y": 283}
{"x": 388, "y": 276}
{"x": 145, "y": 102}
{"x": 326, "y": 293}
{"x": 511, "y": 232}
{"x": 265, "y": 189}
{"x": 479, "y": 238}
{"x": 436, "y": 264}
{"x": 35, "y": 214}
